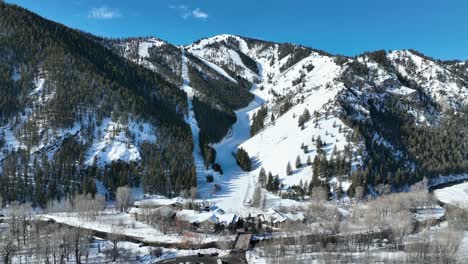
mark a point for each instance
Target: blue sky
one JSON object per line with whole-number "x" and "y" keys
{"x": 436, "y": 28}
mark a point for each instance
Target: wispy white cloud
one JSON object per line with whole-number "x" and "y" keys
{"x": 197, "y": 13}
{"x": 104, "y": 13}
{"x": 185, "y": 12}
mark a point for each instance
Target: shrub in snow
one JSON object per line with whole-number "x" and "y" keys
{"x": 216, "y": 188}
{"x": 216, "y": 167}
{"x": 209, "y": 178}
{"x": 156, "y": 252}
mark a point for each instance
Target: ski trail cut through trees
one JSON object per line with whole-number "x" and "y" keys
{"x": 192, "y": 122}
{"x": 237, "y": 184}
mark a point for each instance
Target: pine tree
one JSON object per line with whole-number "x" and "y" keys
{"x": 398, "y": 177}
{"x": 277, "y": 183}
{"x": 309, "y": 161}
{"x": 273, "y": 183}
{"x": 311, "y": 187}
{"x": 306, "y": 187}
{"x": 318, "y": 145}
{"x": 315, "y": 172}
{"x": 298, "y": 162}
{"x": 288, "y": 169}
{"x": 243, "y": 160}
{"x": 304, "y": 118}
{"x": 262, "y": 177}
{"x": 270, "y": 183}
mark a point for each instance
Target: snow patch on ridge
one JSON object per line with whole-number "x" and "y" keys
{"x": 112, "y": 142}
{"x": 144, "y": 46}
{"x": 446, "y": 88}
{"x": 216, "y": 68}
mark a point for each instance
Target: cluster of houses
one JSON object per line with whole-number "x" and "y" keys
{"x": 209, "y": 217}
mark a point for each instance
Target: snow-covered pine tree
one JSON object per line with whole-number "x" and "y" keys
{"x": 288, "y": 169}
{"x": 298, "y": 162}
{"x": 262, "y": 177}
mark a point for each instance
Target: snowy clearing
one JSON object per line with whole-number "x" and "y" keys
{"x": 456, "y": 194}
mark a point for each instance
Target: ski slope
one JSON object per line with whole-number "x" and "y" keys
{"x": 217, "y": 69}
{"x": 144, "y": 46}
{"x": 280, "y": 141}
{"x": 238, "y": 185}
{"x": 190, "y": 119}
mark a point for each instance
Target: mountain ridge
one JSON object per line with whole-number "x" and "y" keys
{"x": 347, "y": 122}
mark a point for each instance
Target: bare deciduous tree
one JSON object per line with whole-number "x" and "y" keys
{"x": 193, "y": 192}
{"x": 319, "y": 194}
{"x": 79, "y": 240}
{"x": 8, "y": 247}
{"x": 89, "y": 207}
{"x": 401, "y": 226}
{"x": 114, "y": 237}
{"x": 257, "y": 197}
{"x": 359, "y": 193}
{"x": 457, "y": 217}
{"x": 445, "y": 244}
{"x": 124, "y": 198}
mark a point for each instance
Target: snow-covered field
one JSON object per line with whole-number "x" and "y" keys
{"x": 100, "y": 251}
{"x": 124, "y": 224}
{"x": 456, "y": 194}
{"x": 118, "y": 223}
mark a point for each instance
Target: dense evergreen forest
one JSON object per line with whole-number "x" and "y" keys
{"x": 84, "y": 83}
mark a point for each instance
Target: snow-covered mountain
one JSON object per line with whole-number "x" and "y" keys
{"x": 310, "y": 82}
{"x": 445, "y": 87}
{"x": 342, "y": 95}
{"x": 142, "y": 110}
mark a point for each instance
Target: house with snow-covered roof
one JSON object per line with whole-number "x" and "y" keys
{"x": 167, "y": 212}
{"x": 177, "y": 203}
{"x": 207, "y": 220}
{"x": 276, "y": 218}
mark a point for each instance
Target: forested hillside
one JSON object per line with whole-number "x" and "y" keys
{"x": 63, "y": 94}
